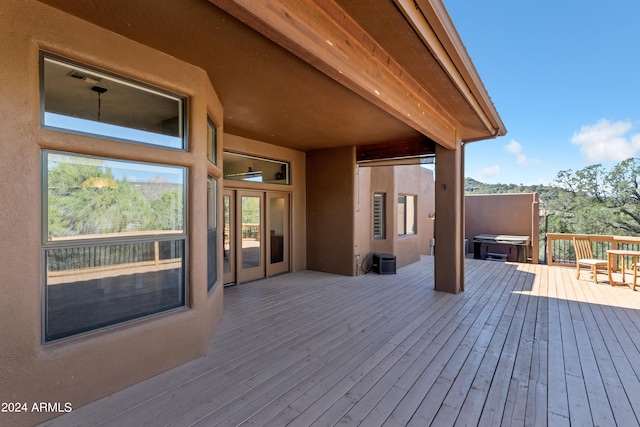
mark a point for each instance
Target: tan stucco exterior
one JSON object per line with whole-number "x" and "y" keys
{"x": 340, "y": 203}
{"x": 393, "y": 181}
{"x": 330, "y": 210}
{"x": 81, "y": 369}
{"x": 297, "y": 189}
{"x": 330, "y": 200}
{"x": 512, "y": 214}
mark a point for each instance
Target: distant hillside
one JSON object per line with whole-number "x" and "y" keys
{"x": 471, "y": 186}
{"x": 593, "y": 200}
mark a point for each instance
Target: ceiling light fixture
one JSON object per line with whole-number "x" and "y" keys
{"x": 99, "y": 90}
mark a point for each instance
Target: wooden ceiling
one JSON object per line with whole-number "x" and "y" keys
{"x": 272, "y": 95}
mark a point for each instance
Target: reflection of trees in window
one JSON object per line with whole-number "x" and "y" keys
{"x": 251, "y": 210}
{"x": 89, "y": 199}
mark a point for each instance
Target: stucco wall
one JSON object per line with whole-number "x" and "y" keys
{"x": 330, "y": 210}
{"x": 392, "y": 181}
{"x": 513, "y": 214}
{"x": 415, "y": 180}
{"x": 363, "y": 216}
{"x": 84, "y": 368}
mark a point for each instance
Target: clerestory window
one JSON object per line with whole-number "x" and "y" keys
{"x": 80, "y": 99}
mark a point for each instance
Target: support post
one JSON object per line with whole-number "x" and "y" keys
{"x": 449, "y": 223}
{"x": 535, "y": 229}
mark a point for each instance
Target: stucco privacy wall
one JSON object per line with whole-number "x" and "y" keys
{"x": 513, "y": 214}
{"x": 297, "y": 188}
{"x": 84, "y": 368}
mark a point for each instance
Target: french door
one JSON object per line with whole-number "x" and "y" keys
{"x": 256, "y": 234}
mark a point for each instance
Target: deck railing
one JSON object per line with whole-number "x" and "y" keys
{"x": 83, "y": 262}
{"x": 560, "y": 249}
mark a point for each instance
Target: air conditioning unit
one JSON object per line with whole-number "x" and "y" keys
{"x": 384, "y": 263}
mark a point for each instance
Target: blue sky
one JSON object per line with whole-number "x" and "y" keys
{"x": 565, "y": 79}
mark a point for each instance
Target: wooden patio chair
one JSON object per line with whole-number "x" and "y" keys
{"x": 585, "y": 259}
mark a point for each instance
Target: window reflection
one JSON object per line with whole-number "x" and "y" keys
{"x": 241, "y": 167}
{"x": 114, "y": 241}
{"x": 94, "y": 196}
{"x": 251, "y": 226}
{"x": 90, "y": 287}
{"x": 79, "y": 99}
{"x": 277, "y": 228}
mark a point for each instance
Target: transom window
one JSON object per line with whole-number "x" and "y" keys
{"x": 241, "y": 167}
{"x": 80, "y": 99}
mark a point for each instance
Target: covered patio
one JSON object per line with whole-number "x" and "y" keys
{"x": 523, "y": 345}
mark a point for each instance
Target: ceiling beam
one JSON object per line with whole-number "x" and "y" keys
{"x": 326, "y": 37}
{"x": 395, "y": 150}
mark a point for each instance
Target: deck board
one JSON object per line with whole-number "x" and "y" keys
{"x": 524, "y": 345}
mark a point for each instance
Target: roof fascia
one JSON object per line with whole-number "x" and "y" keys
{"x": 326, "y": 37}
{"x": 433, "y": 24}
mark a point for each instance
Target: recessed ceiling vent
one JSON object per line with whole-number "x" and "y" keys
{"x": 84, "y": 77}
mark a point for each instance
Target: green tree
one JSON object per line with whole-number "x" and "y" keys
{"x": 80, "y": 203}
{"x": 596, "y": 201}
{"x": 167, "y": 212}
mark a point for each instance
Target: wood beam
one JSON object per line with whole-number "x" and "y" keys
{"x": 394, "y": 150}
{"x": 325, "y": 36}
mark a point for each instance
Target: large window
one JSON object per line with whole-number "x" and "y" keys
{"x": 406, "y": 215}
{"x": 378, "y": 216}
{"x": 114, "y": 241}
{"x": 80, "y": 99}
{"x": 241, "y": 167}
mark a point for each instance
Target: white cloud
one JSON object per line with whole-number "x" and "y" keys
{"x": 606, "y": 141}
{"x": 491, "y": 171}
{"x": 515, "y": 148}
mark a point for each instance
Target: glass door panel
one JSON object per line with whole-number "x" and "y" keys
{"x": 251, "y": 238}
{"x": 251, "y": 248}
{"x": 278, "y": 221}
{"x": 228, "y": 206}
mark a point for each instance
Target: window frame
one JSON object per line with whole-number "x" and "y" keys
{"x": 404, "y": 215}
{"x": 212, "y": 141}
{"x": 284, "y": 165}
{"x": 123, "y": 80}
{"x": 94, "y": 241}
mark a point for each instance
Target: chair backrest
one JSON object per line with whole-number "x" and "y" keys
{"x": 582, "y": 246}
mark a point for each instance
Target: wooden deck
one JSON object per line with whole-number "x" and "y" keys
{"x": 523, "y": 345}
